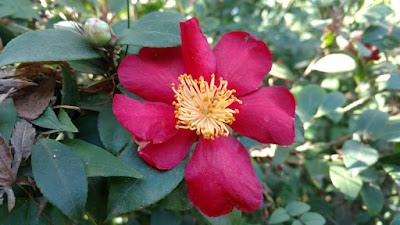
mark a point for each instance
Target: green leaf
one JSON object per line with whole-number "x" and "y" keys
{"x": 279, "y": 216}
{"x": 280, "y": 70}
{"x": 94, "y": 102}
{"x": 96, "y": 205}
{"x": 393, "y": 82}
{"x": 157, "y": 30}
{"x": 342, "y": 180}
{"x": 373, "y": 13}
{"x": 372, "y": 120}
{"x": 49, "y": 120}
{"x": 331, "y": 102}
{"x": 70, "y": 92}
{"x": 296, "y": 222}
{"x": 93, "y": 66}
{"x": 26, "y": 212}
{"x": 7, "y": 119}
{"x": 358, "y": 157}
{"x": 391, "y": 133}
{"x": 161, "y": 216}
{"x": 318, "y": 169}
{"x": 363, "y": 51}
{"x": 299, "y": 129}
{"x": 99, "y": 162}
{"x": 393, "y": 171}
{"x": 281, "y": 154}
{"x": 312, "y": 218}
{"x": 232, "y": 218}
{"x": 87, "y": 126}
{"x": 113, "y": 135}
{"x": 396, "y": 220}
{"x": 60, "y": 176}
{"x": 47, "y": 45}
{"x": 335, "y": 63}
{"x": 308, "y": 101}
{"x": 178, "y": 199}
{"x": 66, "y": 123}
{"x": 128, "y": 194}
{"x": 372, "y": 197}
{"x": 297, "y": 208}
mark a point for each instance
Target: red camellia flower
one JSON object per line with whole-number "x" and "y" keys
{"x": 193, "y": 91}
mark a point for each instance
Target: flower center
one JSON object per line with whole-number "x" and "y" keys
{"x": 203, "y": 107}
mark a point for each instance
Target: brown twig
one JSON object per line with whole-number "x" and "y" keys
{"x": 67, "y": 107}
{"x": 36, "y": 204}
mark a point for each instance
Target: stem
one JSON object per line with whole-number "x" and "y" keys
{"x": 129, "y": 24}
{"x": 37, "y": 205}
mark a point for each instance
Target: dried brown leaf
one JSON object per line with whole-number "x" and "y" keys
{"x": 22, "y": 140}
{"x": 5, "y": 160}
{"x": 7, "y": 84}
{"x": 3, "y": 97}
{"x": 30, "y": 102}
{"x": 10, "y": 198}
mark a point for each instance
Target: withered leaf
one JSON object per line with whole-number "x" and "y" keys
{"x": 5, "y": 161}
{"x": 10, "y": 198}
{"x": 22, "y": 140}
{"x": 30, "y": 102}
{"x": 6, "y": 175}
{"x": 7, "y": 84}
{"x": 5, "y": 96}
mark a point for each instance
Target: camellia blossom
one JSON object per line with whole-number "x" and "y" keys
{"x": 193, "y": 91}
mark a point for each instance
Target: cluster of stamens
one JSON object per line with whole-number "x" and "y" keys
{"x": 203, "y": 107}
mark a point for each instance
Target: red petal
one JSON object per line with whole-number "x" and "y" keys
{"x": 220, "y": 176}
{"x": 267, "y": 115}
{"x": 197, "y": 55}
{"x": 167, "y": 155}
{"x": 150, "y": 74}
{"x": 243, "y": 61}
{"x": 149, "y": 121}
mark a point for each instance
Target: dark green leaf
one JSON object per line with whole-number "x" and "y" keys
{"x": 99, "y": 162}
{"x": 161, "y": 216}
{"x": 279, "y": 216}
{"x": 296, "y": 222}
{"x": 113, "y": 135}
{"x": 178, "y": 199}
{"x": 7, "y": 119}
{"x": 93, "y": 66}
{"x": 372, "y": 197}
{"x": 60, "y": 175}
{"x": 342, "y": 180}
{"x": 96, "y": 205}
{"x": 391, "y": 133}
{"x": 299, "y": 129}
{"x": 47, "y": 45}
{"x": 312, "y": 218}
{"x": 70, "y": 92}
{"x": 157, "y": 30}
{"x": 297, "y": 208}
{"x": 27, "y": 213}
{"x": 128, "y": 194}
{"x": 232, "y": 218}
{"x": 358, "y": 157}
{"x": 87, "y": 126}
{"x": 94, "y": 101}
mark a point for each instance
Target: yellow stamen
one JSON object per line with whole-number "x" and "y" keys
{"x": 203, "y": 107}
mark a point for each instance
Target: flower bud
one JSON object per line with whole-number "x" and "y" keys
{"x": 98, "y": 32}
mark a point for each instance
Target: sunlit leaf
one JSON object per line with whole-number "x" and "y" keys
{"x": 335, "y": 63}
